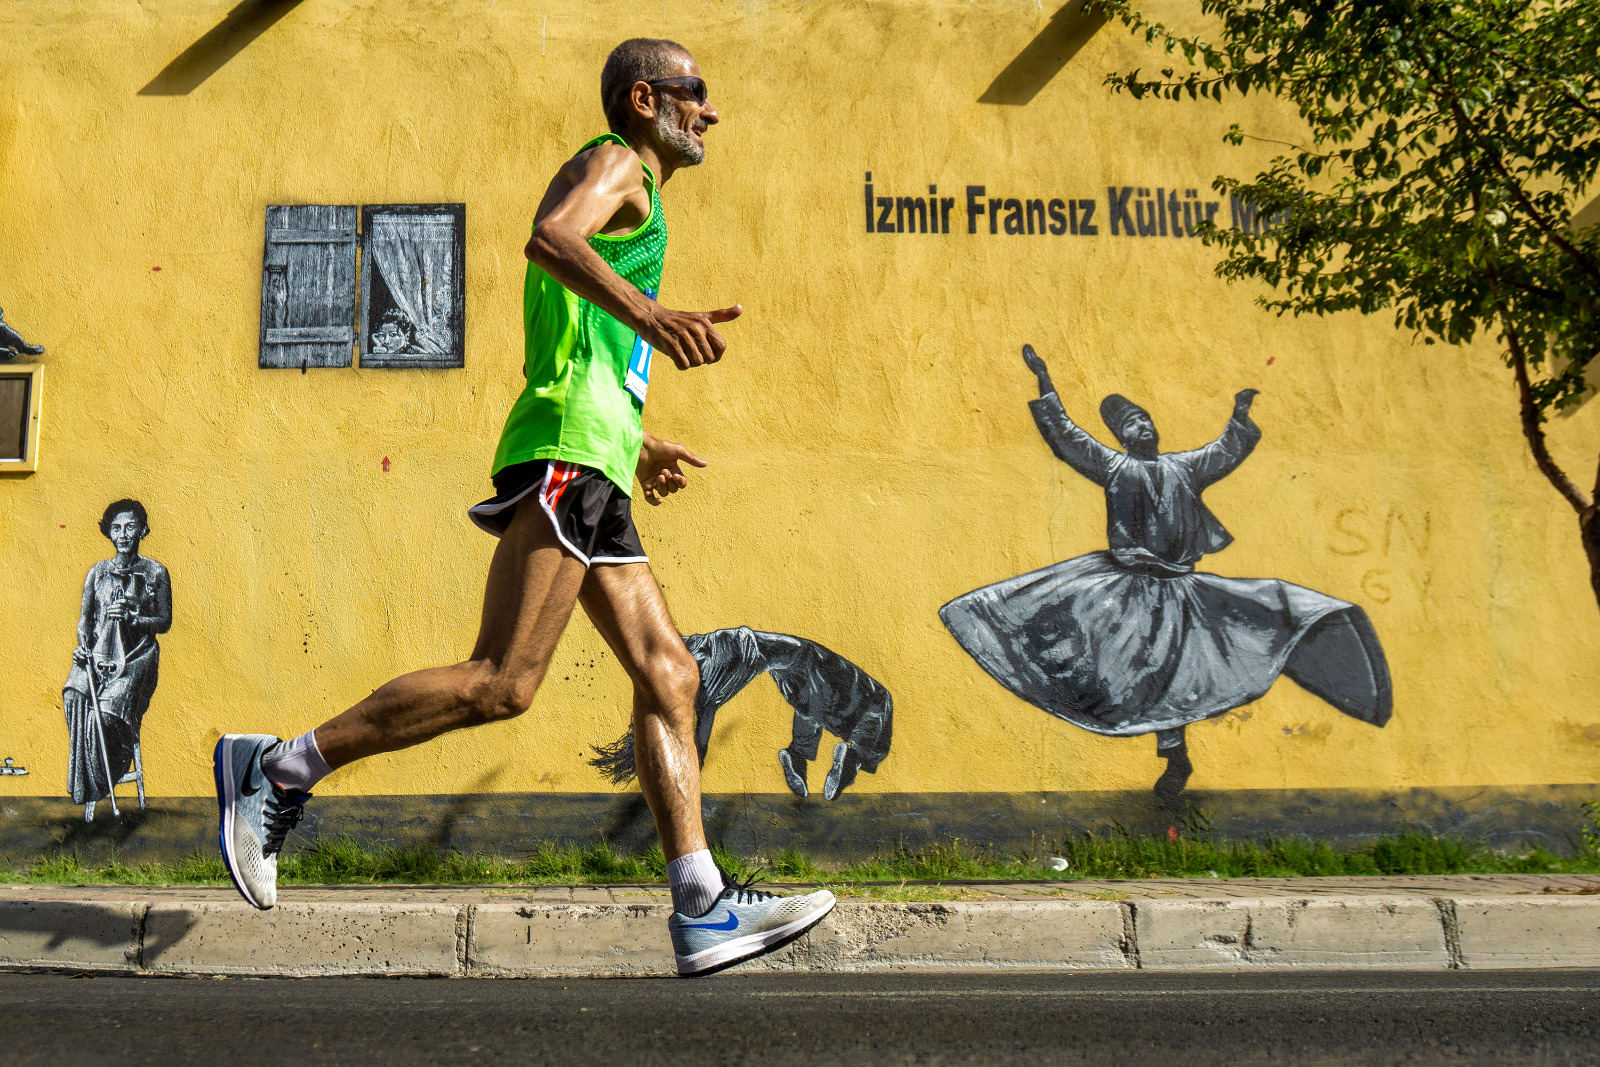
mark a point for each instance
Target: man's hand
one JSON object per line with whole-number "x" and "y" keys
{"x": 658, "y": 471}
{"x": 689, "y": 338}
{"x": 1242, "y": 401}
{"x": 1031, "y": 358}
{"x": 1035, "y": 364}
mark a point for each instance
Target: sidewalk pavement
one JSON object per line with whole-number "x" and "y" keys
{"x": 1451, "y": 921}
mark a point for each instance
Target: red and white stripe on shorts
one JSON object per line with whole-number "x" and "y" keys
{"x": 557, "y": 476}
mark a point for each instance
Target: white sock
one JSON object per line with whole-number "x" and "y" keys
{"x": 296, "y": 764}
{"x": 696, "y": 883}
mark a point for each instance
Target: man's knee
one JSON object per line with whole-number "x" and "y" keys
{"x": 672, "y": 681}
{"x": 493, "y": 695}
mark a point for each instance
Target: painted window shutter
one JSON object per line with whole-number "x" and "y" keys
{"x": 413, "y": 285}
{"x": 308, "y": 287}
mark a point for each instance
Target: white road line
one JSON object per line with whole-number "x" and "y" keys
{"x": 1310, "y": 991}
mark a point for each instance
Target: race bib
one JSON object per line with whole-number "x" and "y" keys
{"x": 637, "y": 381}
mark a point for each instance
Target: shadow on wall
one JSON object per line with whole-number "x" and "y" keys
{"x": 109, "y": 837}
{"x": 249, "y": 20}
{"x": 855, "y": 827}
{"x": 1066, "y": 33}
{"x": 1587, "y": 217}
{"x": 460, "y": 807}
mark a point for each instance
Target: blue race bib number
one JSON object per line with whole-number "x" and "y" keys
{"x": 637, "y": 381}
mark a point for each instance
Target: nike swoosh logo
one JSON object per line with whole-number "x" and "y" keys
{"x": 245, "y": 788}
{"x": 732, "y": 923}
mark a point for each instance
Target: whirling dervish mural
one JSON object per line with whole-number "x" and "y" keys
{"x": 1134, "y": 640}
{"x": 827, "y": 692}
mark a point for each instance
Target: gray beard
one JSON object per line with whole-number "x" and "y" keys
{"x": 677, "y": 143}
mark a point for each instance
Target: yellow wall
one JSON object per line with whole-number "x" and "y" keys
{"x": 871, "y": 452}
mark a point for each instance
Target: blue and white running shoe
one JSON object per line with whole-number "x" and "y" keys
{"x": 255, "y": 816}
{"x": 742, "y": 924}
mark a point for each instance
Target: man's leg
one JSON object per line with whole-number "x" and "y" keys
{"x": 871, "y": 733}
{"x": 804, "y": 736}
{"x": 262, "y": 783}
{"x": 794, "y": 759}
{"x": 867, "y": 736}
{"x": 533, "y": 585}
{"x": 1172, "y": 747}
{"x": 625, "y": 603}
{"x": 716, "y": 923}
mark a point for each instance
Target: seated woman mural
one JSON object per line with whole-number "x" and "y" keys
{"x": 127, "y": 601}
{"x": 1135, "y": 640}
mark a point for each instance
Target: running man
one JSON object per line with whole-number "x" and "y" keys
{"x": 563, "y": 477}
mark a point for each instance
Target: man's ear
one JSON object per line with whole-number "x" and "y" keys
{"x": 643, "y": 99}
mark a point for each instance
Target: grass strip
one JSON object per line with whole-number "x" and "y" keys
{"x": 1092, "y": 856}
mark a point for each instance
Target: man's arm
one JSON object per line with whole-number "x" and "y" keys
{"x": 1221, "y": 457}
{"x": 599, "y": 190}
{"x": 1066, "y": 439}
{"x": 1035, "y": 364}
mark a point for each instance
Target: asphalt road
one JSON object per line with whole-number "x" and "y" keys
{"x": 1544, "y": 1017}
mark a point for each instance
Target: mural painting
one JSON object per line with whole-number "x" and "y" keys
{"x": 317, "y": 503}
{"x": 308, "y": 286}
{"x": 405, "y": 304}
{"x": 127, "y": 602}
{"x": 827, "y": 692}
{"x": 1134, "y": 640}
{"x": 11, "y": 343}
{"x": 412, "y": 294}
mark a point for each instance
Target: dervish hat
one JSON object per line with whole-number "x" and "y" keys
{"x": 1114, "y": 411}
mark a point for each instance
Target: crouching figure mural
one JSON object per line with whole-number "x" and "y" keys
{"x": 1134, "y": 640}
{"x": 127, "y": 601}
{"x": 826, "y": 691}
{"x": 11, "y": 343}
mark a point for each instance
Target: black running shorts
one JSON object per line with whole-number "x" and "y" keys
{"x": 591, "y": 516}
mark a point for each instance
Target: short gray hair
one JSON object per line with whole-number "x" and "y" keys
{"x": 639, "y": 59}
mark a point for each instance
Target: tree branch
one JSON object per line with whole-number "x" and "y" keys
{"x": 1584, "y": 263}
{"x": 1286, "y": 144}
{"x": 1532, "y": 427}
{"x": 1543, "y": 224}
{"x": 1537, "y": 290}
{"x": 1577, "y": 101}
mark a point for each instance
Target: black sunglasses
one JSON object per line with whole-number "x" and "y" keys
{"x": 696, "y": 86}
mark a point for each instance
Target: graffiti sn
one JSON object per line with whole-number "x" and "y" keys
{"x": 1135, "y": 640}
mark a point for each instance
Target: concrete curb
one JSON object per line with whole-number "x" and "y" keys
{"x": 507, "y": 939}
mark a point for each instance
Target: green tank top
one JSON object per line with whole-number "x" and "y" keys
{"x": 581, "y": 403}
